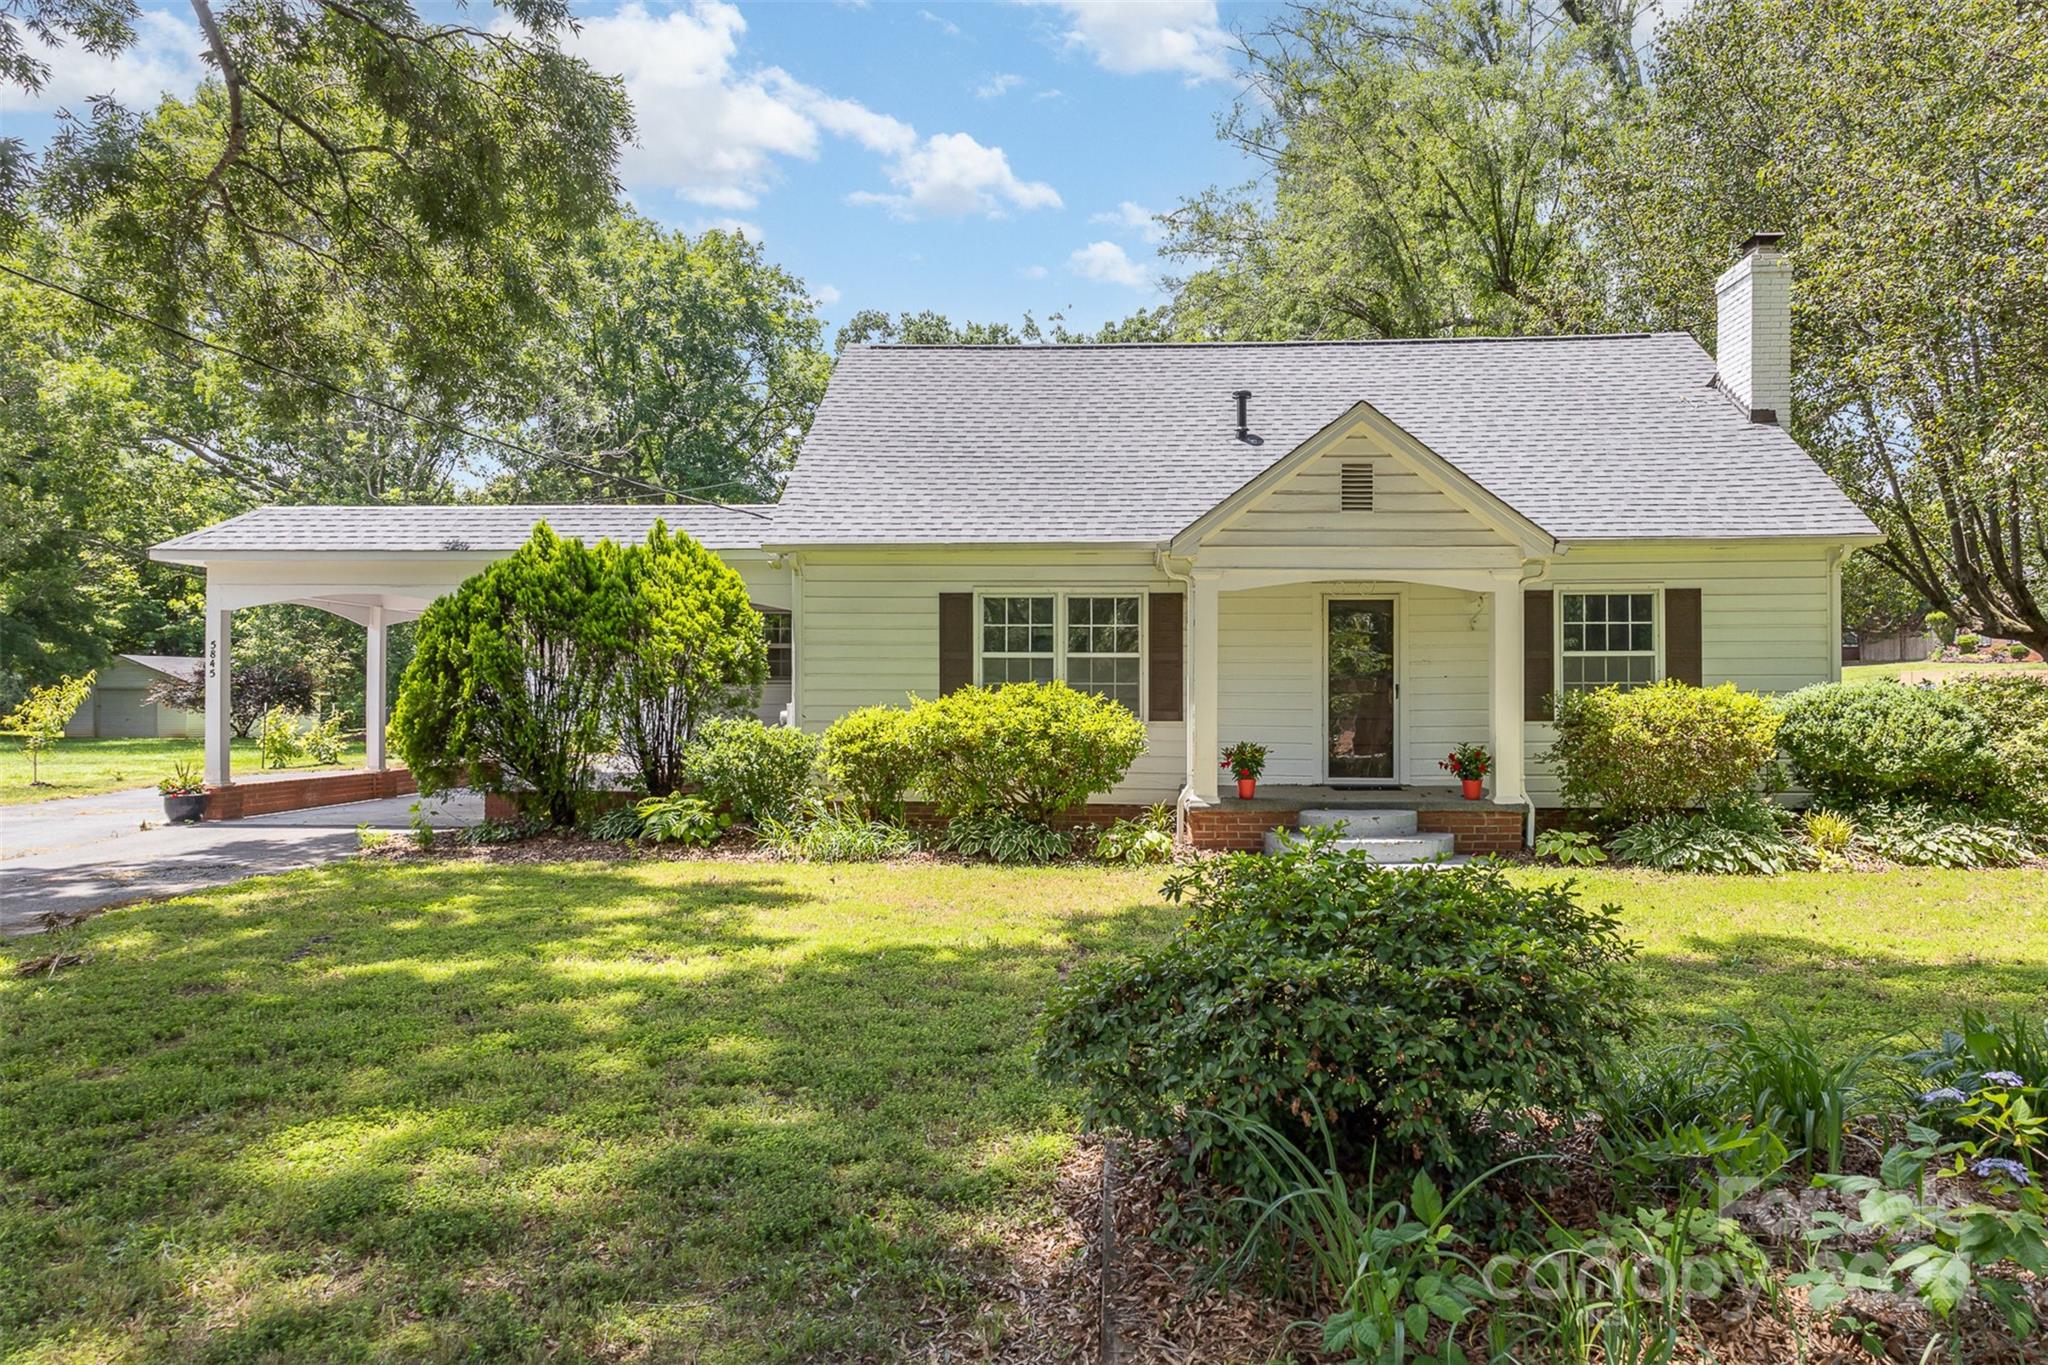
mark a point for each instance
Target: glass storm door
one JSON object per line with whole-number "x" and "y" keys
{"x": 1361, "y": 690}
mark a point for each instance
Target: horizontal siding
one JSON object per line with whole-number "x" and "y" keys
{"x": 1305, "y": 509}
{"x": 1271, "y": 689}
{"x": 1766, "y": 618}
{"x": 868, "y": 633}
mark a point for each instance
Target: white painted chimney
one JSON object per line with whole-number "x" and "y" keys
{"x": 1753, "y": 338}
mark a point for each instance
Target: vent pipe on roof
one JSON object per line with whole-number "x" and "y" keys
{"x": 1244, "y": 413}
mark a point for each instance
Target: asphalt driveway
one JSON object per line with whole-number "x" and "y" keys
{"x": 63, "y": 858}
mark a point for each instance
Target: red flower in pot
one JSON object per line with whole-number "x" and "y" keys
{"x": 1469, "y": 764}
{"x": 1246, "y": 761}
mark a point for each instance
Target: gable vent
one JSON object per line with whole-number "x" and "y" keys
{"x": 1355, "y": 493}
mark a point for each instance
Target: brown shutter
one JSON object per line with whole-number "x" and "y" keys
{"x": 1682, "y": 635}
{"x": 956, "y": 641}
{"x": 1163, "y": 654}
{"x": 1539, "y": 655}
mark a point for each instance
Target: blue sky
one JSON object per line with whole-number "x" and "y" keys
{"x": 977, "y": 159}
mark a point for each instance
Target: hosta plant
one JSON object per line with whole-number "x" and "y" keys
{"x": 688, "y": 820}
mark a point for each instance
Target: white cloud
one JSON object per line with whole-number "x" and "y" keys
{"x": 708, "y": 132}
{"x": 1054, "y": 94}
{"x": 997, "y": 86}
{"x": 1133, "y": 39}
{"x": 825, "y": 295}
{"x": 1133, "y": 218}
{"x": 1106, "y": 263}
{"x": 164, "y": 59}
{"x": 953, "y": 176}
{"x": 714, "y": 133}
{"x": 945, "y": 26}
{"x": 1034, "y": 272}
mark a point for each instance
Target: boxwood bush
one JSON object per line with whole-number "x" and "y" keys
{"x": 1649, "y": 751}
{"x": 2014, "y": 707}
{"x": 1849, "y": 744}
{"x": 1435, "y": 1014}
{"x": 868, "y": 757}
{"x": 754, "y": 772}
{"x": 1029, "y": 749}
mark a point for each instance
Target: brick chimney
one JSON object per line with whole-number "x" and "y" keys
{"x": 1753, "y": 339}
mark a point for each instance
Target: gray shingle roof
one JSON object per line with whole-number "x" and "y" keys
{"x": 1588, "y": 437}
{"x": 467, "y": 527}
{"x": 170, "y": 665}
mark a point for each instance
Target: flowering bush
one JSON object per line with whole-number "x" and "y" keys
{"x": 1245, "y": 759}
{"x": 1467, "y": 762}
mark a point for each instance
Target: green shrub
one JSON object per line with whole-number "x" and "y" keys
{"x": 2017, "y": 650}
{"x": 1647, "y": 751}
{"x": 1942, "y": 625}
{"x": 1003, "y": 837}
{"x": 1031, "y": 749}
{"x": 1732, "y": 837}
{"x": 2014, "y": 707}
{"x": 1852, "y": 743}
{"x": 1814, "y": 1097}
{"x": 1928, "y": 836}
{"x": 512, "y": 677}
{"x": 323, "y": 740}
{"x": 1134, "y": 843}
{"x": 1440, "y": 1014}
{"x": 756, "y": 772}
{"x": 694, "y": 649}
{"x": 868, "y": 757}
{"x": 829, "y": 836}
{"x": 1967, "y": 642}
{"x": 687, "y": 820}
{"x": 279, "y": 740}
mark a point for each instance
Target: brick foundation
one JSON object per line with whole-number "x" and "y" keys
{"x": 266, "y": 796}
{"x": 1481, "y": 829}
{"x": 1223, "y": 831}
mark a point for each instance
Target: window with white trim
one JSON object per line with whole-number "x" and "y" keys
{"x": 1607, "y": 639}
{"x": 1017, "y": 640}
{"x": 775, "y": 629}
{"x": 1102, "y": 647}
{"x": 1097, "y": 645}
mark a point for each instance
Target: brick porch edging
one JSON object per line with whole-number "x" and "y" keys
{"x": 1483, "y": 829}
{"x": 270, "y": 795}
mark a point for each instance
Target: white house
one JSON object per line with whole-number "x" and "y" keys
{"x": 117, "y": 709}
{"x": 1356, "y": 553}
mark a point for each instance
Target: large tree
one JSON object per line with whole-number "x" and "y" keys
{"x": 1902, "y": 145}
{"x": 692, "y": 364}
{"x": 1416, "y": 159}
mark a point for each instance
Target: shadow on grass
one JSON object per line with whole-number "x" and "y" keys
{"x": 1847, "y": 994}
{"x": 733, "y": 1112}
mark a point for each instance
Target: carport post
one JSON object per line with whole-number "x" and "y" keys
{"x": 374, "y": 718}
{"x": 219, "y": 646}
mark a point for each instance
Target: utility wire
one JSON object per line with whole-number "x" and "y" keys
{"x": 393, "y": 408}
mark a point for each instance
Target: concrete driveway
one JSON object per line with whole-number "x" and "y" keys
{"x": 64, "y": 858}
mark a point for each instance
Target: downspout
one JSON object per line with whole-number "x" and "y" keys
{"x": 1187, "y": 597}
{"x": 1835, "y": 556}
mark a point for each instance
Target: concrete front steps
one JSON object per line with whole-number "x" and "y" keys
{"x": 1385, "y": 836}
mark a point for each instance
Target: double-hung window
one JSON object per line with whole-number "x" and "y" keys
{"x": 1093, "y": 640}
{"x": 1607, "y": 639}
{"x": 775, "y": 629}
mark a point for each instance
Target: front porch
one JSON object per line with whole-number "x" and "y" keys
{"x": 1231, "y": 823}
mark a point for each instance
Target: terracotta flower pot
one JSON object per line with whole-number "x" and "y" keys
{"x": 1247, "y": 787}
{"x": 1471, "y": 786}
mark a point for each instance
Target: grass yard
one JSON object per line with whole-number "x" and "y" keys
{"x": 87, "y": 767}
{"x": 675, "y": 1111}
{"x": 1862, "y": 673}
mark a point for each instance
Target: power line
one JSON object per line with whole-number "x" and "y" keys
{"x": 393, "y": 408}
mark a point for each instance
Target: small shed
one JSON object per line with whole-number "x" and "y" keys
{"x": 116, "y": 709}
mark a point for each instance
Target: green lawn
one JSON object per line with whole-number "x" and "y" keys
{"x": 696, "y": 1111}
{"x": 87, "y": 767}
{"x": 1878, "y": 672}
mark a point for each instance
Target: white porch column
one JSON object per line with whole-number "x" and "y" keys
{"x": 219, "y": 646}
{"x": 1203, "y": 592}
{"x": 375, "y": 714}
{"x": 1506, "y": 700}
